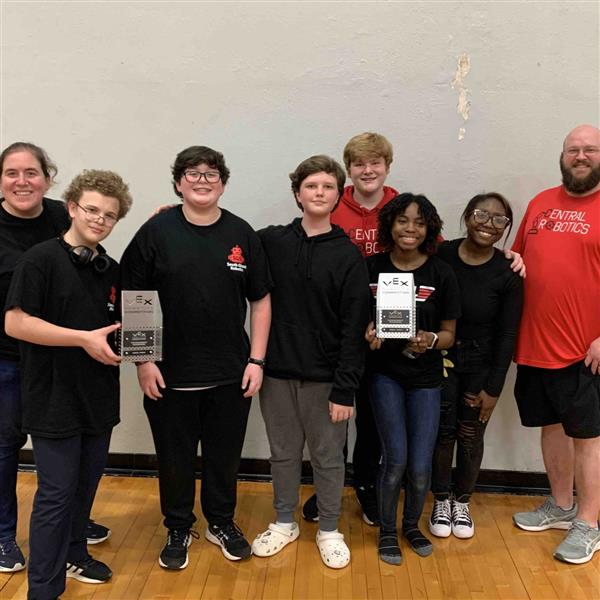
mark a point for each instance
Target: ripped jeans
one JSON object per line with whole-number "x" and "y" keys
{"x": 460, "y": 426}
{"x": 407, "y": 421}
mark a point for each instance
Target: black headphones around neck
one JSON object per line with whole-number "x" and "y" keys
{"x": 82, "y": 256}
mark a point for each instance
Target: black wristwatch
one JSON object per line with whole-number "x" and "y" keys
{"x": 257, "y": 361}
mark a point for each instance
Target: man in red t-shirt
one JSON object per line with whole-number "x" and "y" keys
{"x": 558, "y": 347}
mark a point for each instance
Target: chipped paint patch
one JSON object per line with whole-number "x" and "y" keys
{"x": 458, "y": 83}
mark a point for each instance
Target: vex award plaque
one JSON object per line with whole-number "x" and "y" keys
{"x": 141, "y": 326}
{"x": 396, "y": 306}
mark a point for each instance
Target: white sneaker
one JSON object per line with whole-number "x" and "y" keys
{"x": 462, "y": 524}
{"x": 440, "y": 520}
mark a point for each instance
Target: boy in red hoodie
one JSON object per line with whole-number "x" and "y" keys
{"x": 367, "y": 158}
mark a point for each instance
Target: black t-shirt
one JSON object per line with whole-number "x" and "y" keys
{"x": 438, "y": 299}
{"x": 65, "y": 392}
{"x": 16, "y": 237}
{"x": 491, "y": 303}
{"x": 204, "y": 275}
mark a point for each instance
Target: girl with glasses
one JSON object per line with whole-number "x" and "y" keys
{"x": 491, "y": 300}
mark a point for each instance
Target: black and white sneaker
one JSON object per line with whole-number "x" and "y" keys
{"x": 310, "y": 512}
{"x": 231, "y": 539}
{"x": 440, "y": 521}
{"x": 89, "y": 570}
{"x": 11, "y": 557}
{"x": 96, "y": 533}
{"x": 174, "y": 555}
{"x": 462, "y": 523}
{"x": 367, "y": 498}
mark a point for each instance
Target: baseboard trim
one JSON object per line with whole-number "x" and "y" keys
{"x": 256, "y": 469}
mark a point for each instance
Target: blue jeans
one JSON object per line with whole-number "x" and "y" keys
{"x": 11, "y": 441}
{"x": 407, "y": 420}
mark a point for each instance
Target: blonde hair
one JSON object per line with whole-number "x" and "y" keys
{"x": 368, "y": 145}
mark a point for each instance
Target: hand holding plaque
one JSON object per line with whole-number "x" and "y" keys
{"x": 140, "y": 336}
{"x": 395, "y": 314}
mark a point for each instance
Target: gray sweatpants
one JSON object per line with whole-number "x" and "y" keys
{"x": 294, "y": 412}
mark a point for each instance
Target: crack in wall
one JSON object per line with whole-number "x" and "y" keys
{"x": 464, "y": 104}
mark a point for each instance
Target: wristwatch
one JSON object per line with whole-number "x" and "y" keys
{"x": 434, "y": 342}
{"x": 257, "y": 361}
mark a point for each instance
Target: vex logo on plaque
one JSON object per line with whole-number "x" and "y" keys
{"x": 396, "y": 312}
{"x": 140, "y": 336}
{"x": 236, "y": 260}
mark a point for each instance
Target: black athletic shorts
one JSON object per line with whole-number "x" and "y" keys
{"x": 570, "y": 396}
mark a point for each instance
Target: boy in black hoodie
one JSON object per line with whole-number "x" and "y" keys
{"x": 315, "y": 355}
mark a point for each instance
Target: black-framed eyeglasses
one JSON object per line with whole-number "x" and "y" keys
{"x": 196, "y": 176}
{"x": 482, "y": 216}
{"x": 95, "y": 216}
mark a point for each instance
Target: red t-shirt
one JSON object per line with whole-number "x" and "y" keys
{"x": 358, "y": 222}
{"x": 559, "y": 239}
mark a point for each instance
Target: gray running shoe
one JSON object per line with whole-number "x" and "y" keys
{"x": 580, "y": 544}
{"x": 546, "y": 516}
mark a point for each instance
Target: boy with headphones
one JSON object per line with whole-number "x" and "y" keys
{"x": 61, "y": 305}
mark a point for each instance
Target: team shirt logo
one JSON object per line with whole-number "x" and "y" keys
{"x": 112, "y": 298}
{"x": 236, "y": 260}
{"x": 560, "y": 221}
{"x": 423, "y": 292}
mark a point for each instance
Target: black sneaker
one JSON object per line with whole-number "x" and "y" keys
{"x": 231, "y": 539}
{"x": 367, "y": 498}
{"x": 175, "y": 555}
{"x": 96, "y": 533}
{"x": 89, "y": 570}
{"x": 310, "y": 512}
{"x": 11, "y": 557}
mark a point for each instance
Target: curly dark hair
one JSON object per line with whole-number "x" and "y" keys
{"x": 398, "y": 206}
{"x": 194, "y": 156}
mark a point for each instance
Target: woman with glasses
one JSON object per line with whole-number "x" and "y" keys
{"x": 491, "y": 299}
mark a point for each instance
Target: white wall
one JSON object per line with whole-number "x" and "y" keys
{"x": 126, "y": 85}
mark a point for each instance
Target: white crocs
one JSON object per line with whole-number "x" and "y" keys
{"x": 334, "y": 551}
{"x": 274, "y": 539}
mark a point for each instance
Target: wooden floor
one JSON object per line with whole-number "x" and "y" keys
{"x": 501, "y": 561}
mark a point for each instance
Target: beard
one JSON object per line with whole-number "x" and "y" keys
{"x": 577, "y": 185}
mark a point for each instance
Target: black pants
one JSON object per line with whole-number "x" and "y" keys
{"x": 68, "y": 472}
{"x": 367, "y": 448}
{"x": 216, "y": 418}
{"x": 459, "y": 423}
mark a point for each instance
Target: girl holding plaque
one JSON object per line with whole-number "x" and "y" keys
{"x": 407, "y": 376}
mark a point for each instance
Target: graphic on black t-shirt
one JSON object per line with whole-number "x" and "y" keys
{"x": 236, "y": 259}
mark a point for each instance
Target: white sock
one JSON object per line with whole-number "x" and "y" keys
{"x": 289, "y": 526}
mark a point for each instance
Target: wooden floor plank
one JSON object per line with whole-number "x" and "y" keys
{"x": 501, "y": 561}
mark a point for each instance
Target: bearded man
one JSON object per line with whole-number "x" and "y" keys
{"x": 558, "y": 347}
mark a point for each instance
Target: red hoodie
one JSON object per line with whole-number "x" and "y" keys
{"x": 358, "y": 222}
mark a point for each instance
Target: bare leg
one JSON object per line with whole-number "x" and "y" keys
{"x": 587, "y": 479}
{"x": 559, "y": 459}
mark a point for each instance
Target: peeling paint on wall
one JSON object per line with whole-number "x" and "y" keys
{"x": 464, "y": 104}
